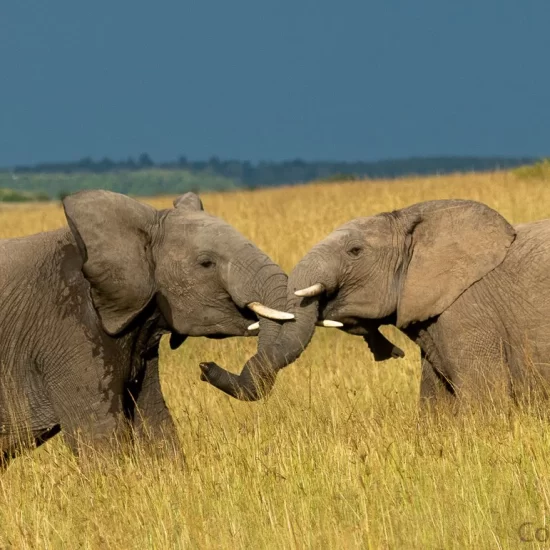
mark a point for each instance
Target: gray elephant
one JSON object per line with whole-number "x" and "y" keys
{"x": 471, "y": 290}
{"x": 83, "y": 309}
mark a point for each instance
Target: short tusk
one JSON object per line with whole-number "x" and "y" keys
{"x": 264, "y": 311}
{"x": 254, "y": 326}
{"x": 313, "y": 290}
{"x": 330, "y": 324}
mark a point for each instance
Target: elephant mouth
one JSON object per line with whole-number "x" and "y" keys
{"x": 331, "y": 308}
{"x": 247, "y": 314}
{"x": 359, "y": 326}
{"x": 237, "y": 323}
{"x": 353, "y": 321}
{"x": 177, "y": 339}
{"x": 352, "y": 325}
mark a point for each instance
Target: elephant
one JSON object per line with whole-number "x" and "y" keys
{"x": 469, "y": 288}
{"x": 83, "y": 309}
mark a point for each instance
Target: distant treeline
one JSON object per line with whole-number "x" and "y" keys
{"x": 143, "y": 176}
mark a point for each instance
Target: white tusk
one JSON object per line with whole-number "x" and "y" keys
{"x": 329, "y": 323}
{"x": 310, "y": 291}
{"x": 264, "y": 311}
{"x": 254, "y": 326}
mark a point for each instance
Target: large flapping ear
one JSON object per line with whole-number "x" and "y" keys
{"x": 451, "y": 245}
{"x": 188, "y": 201}
{"x": 112, "y": 232}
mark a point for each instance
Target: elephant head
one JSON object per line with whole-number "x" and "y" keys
{"x": 205, "y": 278}
{"x": 400, "y": 267}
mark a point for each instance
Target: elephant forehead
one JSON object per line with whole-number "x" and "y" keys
{"x": 372, "y": 227}
{"x": 200, "y": 229}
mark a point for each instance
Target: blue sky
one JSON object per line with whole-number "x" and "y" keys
{"x": 253, "y": 79}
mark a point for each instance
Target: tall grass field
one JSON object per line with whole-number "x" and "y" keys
{"x": 338, "y": 456}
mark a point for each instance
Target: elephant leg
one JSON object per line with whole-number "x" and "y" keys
{"x": 477, "y": 360}
{"x": 435, "y": 391}
{"x": 12, "y": 446}
{"x": 89, "y": 409}
{"x": 152, "y": 422}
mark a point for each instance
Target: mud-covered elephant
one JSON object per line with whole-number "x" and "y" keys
{"x": 83, "y": 308}
{"x": 471, "y": 290}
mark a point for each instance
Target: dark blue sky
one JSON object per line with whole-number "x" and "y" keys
{"x": 317, "y": 79}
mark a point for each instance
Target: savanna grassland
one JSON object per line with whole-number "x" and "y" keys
{"x": 338, "y": 456}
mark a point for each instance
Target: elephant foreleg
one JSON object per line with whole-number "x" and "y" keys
{"x": 434, "y": 389}
{"x": 152, "y": 422}
{"x": 89, "y": 408}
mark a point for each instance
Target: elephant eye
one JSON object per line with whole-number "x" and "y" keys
{"x": 206, "y": 263}
{"x": 355, "y": 251}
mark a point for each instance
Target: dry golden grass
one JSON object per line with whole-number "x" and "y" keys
{"x": 336, "y": 458}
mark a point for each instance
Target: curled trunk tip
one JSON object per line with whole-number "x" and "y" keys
{"x": 248, "y": 386}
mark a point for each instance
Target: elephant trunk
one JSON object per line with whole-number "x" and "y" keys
{"x": 258, "y": 281}
{"x": 259, "y": 373}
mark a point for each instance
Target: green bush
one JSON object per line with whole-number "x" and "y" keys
{"x": 11, "y": 195}
{"x": 540, "y": 170}
{"x": 139, "y": 183}
{"x": 339, "y": 177}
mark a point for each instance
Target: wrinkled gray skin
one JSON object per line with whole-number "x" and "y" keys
{"x": 471, "y": 290}
{"x": 84, "y": 308}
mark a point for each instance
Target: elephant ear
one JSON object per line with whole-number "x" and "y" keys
{"x": 112, "y": 232}
{"x": 189, "y": 201}
{"x": 451, "y": 245}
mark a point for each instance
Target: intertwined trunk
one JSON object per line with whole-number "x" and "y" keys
{"x": 280, "y": 347}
